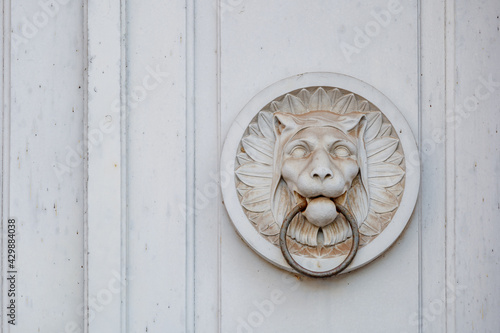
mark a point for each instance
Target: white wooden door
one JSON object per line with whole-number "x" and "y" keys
{"x": 114, "y": 117}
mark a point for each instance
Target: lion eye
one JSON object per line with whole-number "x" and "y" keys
{"x": 341, "y": 151}
{"x": 298, "y": 152}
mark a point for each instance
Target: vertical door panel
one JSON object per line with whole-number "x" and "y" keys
{"x": 476, "y": 122}
{"x": 43, "y": 167}
{"x": 156, "y": 166}
{"x": 261, "y": 43}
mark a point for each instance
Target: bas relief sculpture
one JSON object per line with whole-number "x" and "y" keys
{"x": 329, "y": 147}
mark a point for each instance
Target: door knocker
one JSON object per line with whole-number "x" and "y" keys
{"x": 334, "y": 271}
{"x": 323, "y": 173}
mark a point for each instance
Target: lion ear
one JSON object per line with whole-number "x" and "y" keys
{"x": 283, "y": 122}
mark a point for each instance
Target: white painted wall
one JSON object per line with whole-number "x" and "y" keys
{"x": 138, "y": 232}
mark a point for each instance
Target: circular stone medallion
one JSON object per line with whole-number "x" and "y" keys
{"x": 328, "y": 139}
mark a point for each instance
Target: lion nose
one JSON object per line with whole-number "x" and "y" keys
{"x": 321, "y": 173}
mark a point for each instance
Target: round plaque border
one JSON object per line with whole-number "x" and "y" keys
{"x": 245, "y": 228}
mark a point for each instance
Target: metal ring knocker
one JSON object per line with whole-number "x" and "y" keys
{"x": 334, "y": 271}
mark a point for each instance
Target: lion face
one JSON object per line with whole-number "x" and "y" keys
{"x": 319, "y": 163}
{"x": 317, "y": 159}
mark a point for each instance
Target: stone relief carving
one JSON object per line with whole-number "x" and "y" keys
{"x": 329, "y": 147}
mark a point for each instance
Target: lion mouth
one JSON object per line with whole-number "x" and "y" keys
{"x": 320, "y": 210}
{"x": 300, "y": 198}
{"x": 319, "y": 224}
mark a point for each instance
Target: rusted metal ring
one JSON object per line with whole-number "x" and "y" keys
{"x": 334, "y": 271}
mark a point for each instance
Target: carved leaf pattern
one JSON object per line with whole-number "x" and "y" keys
{"x": 377, "y": 145}
{"x": 253, "y": 129}
{"x": 385, "y": 170}
{"x": 373, "y": 126}
{"x": 334, "y": 94}
{"x": 363, "y": 106}
{"x": 386, "y": 173}
{"x": 265, "y": 124}
{"x": 243, "y": 158}
{"x": 374, "y": 224}
{"x": 242, "y": 188}
{"x": 383, "y": 152}
{"x": 396, "y": 189}
{"x": 258, "y": 149}
{"x": 290, "y": 104}
{"x": 385, "y": 130}
{"x": 320, "y": 100}
{"x": 252, "y": 175}
{"x": 396, "y": 158}
{"x": 346, "y": 104}
{"x": 270, "y": 229}
{"x": 383, "y": 201}
{"x": 304, "y": 95}
{"x": 256, "y": 200}
{"x": 264, "y": 223}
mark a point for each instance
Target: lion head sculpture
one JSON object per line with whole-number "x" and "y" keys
{"x": 326, "y": 146}
{"x": 320, "y": 157}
